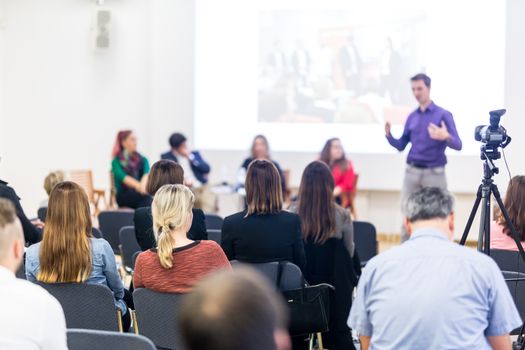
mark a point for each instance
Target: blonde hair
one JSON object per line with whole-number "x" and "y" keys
{"x": 52, "y": 179}
{"x": 171, "y": 209}
{"x": 65, "y": 253}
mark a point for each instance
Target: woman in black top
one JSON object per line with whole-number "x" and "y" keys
{"x": 263, "y": 232}
{"x": 162, "y": 173}
{"x": 261, "y": 150}
{"x": 329, "y": 236}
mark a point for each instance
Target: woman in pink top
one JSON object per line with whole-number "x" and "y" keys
{"x": 500, "y": 235}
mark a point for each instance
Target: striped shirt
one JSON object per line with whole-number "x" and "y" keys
{"x": 191, "y": 263}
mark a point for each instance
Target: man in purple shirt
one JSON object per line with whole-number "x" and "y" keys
{"x": 430, "y": 129}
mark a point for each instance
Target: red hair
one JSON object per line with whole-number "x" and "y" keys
{"x": 121, "y": 136}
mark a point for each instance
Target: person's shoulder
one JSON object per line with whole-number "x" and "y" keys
{"x": 99, "y": 244}
{"x": 197, "y": 212}
{"x": 288, "y": 216}
{"x": 34, "y": 294}
{"x": 235, "y": 217}
{"x": 142, "y": 211}
{"x": 166, "y": 155}
{"x": 209, "y": 245}
{"x": 246, "y": 162}
{"x": 440, "y": 109}
{"x": 33, "y": 250}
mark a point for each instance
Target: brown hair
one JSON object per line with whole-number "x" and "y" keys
{"x": 317, "y": 202}
{"x": 264, "y": 194}
{"x": 52, "y": 179}
{"x": 515, "y": 204}
{"x": 232, "y": 310}
{"x": 65, "y": 253}
{"x": 265, "y": 141}
{"x": 164, "y": 172}
{"x": 325, "y": 156}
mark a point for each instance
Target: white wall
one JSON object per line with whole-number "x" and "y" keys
{"x": 62, "y": 101}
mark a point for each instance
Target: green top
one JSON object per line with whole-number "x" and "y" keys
{"x": 119, "y": 173}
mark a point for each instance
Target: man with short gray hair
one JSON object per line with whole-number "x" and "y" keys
{"x": 31, "y": 317}
{"x": 430, "y": 293}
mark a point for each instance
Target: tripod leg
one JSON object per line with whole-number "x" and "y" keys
{"x": 487, "y": 226}
{"x": 471, "y": 217}
{"x": 510, "y": 225}
{"x": 483, "y": 224}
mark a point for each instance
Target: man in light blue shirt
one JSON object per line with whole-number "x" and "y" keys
{"x": 430, "y": 293}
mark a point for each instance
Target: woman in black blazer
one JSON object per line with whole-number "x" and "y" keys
{"x": 263, "y": 232}
{"x": 162, "y": 173}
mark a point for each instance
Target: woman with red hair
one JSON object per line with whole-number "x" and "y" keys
{"x": 130, "y": 171}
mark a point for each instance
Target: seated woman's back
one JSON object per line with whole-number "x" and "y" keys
{"x": 263, "y": 232}
{"x": 178, "y": 262}
{"x": 191, "y": 263}
{"x": 68, "y": 253}
{"x": 263, "y": 238}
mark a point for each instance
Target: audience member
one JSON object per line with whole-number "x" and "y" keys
{"x": 32, "y": 229}
{"x": 68, "y": 253}
{"x": 500, "y": 234}
{"x": 196, "y": 171}
{"x": 236, "y": 310}
{"x": 342, "y": 171}
{"x": 31, "y": 317}
{"x": 261, "y": 150}
{"x": 164, "y": 172}
{"x": 130, "y": 171}
{"x": 430, "y": 293}
{"x": 50, "y": 181}
{"x": 329, "y": 235}
{"x": 178, "y": 262}
{"x": 263, "y": 232}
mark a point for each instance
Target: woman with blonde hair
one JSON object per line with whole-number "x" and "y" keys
{"x": 177, "y": 263}
{"x": 68, "y": 253}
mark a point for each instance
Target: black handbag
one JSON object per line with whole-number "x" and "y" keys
{"x": 309, "y": 308}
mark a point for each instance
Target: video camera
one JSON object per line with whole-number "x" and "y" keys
{"x": 492, "y": 136}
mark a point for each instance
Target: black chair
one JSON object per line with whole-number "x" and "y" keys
{"x": 365, "y": 239}
{"x": 134, "y": 258}
{"x": 88, "y": 306}
{"x": 110, "y": 223}
{"x": 41, "y": 213}
{"x": 214, "y": 235}
{"x": 516, "y": 283}
{"x": 270, "y": 270}
{"x": 213, "y": 221}
{"x": 508, "y": 260}
{"x": 128, "y": 247}
{"x": 87, "y": 339}
{"x": 155, "y": 317}
{"x": 96, "y": 232}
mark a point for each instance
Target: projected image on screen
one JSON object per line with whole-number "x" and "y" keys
{"x": 301, "y": 72}
{"x": 327, "y": 67}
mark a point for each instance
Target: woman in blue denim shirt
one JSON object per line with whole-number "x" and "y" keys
{"x": 68, "y": 234}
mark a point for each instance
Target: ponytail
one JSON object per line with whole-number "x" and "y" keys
{"x": 165, "y": 245}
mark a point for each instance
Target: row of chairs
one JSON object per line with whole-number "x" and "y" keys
{"x": 91, "y": 306}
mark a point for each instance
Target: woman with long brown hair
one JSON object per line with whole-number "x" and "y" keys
{"x": 342, "y": 170}
{"x": 500, "y": 235}
{"x": 68, "y": 253}
{"x": 329, "y": 245}
{"x": 263, "y": 232}
{"x": 130, "y": 170}
{"x": 164, "y": 172}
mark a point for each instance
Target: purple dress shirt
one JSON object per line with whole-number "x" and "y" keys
{"x": 426, "y": 152}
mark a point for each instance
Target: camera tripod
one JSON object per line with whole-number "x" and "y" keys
{"x": 483, "y": 196}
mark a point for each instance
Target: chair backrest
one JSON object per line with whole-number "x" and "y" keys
{"x": 88, "y": 339}
{"x": 156, "y": 315}
{"x": 134, "y": 258}
{"x": 110, "y": 223}
{"x": 516, "y": 283}
{"x": 128, "y": 246}
{"x": 214, "y": 235}
{"x": 96, "y": 232}
{"x": 508, "y": 260}
{"x": 41, "y": 214}
{"x": 88, "y": 306}
{"x": 365, "y": 239}
{"x": 213, "y": 221}
{"x": 84, "y": 178}
{"x": 291, "y": 276}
